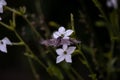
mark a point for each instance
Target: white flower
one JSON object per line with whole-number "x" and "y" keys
{"x": 112, "y": 3}
{"x": 2, "y": 3}
{"x": 62, "y": 33}
{"x": 65, "y": 53}
{"x": 5, "y": 41}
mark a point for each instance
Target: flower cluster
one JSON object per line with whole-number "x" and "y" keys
{"x": 2, "y": 3}
{"x": 61, "y": 38}
{"x": 5, "y": 41}
{"x": 65, "y": 52}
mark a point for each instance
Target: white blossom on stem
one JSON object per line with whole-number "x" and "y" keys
{"x": 64, "y": 53}
{"x": 3, "y": 44}
{"x": 112, "y": 3}
{"x": 62, "y": 33}
{"x": 2, "y": 3}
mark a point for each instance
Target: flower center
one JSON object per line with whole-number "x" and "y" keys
{"x": 62, "y": 35}
{"x": 65, "y": 52}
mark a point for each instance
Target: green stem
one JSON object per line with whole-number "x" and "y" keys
{"x": 33, "y": 69}
{"x": 72, "y": 24}
{"x": 112, "y": 48}
{"x": 18, "y": 13}
{"x": 13, "y": 10}
{"x": 110, "y": 58}
{"x": 7, "y": 26}
{"x": 32, "y": 27}
{"x": 76, "y": 73}
{"x": 18, "y": 43}
{"x": 98, "y": 5}
{"x": 14, "y": 21}
{"x": 38, "y": 7}
{"x": 87, "y": 65}
{"x": 29, "y": 50}
{"x": 71, "y": 77}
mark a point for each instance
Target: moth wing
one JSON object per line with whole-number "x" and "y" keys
{"x": 74, "y": 41}
{"x": 49, "y": 42}
{"x": 65, "y": 41}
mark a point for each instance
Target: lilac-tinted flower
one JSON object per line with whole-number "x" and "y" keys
{"x": 62, "y": 33}
{"x": 112, "y": 3}
{"x": 64, "y": 53}
{"x": 2, "y": 3}
{"x": 3, "y": 43}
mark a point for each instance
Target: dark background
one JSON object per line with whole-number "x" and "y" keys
{"x": 14, "y": 65}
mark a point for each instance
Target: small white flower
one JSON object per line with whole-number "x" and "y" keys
{"x": 5, "y": 41}
{"x": 112, "y": 3}
{"x": 62, "y": 33}
{"x": 65, "y": 53}
{"x": 2, "y": 3}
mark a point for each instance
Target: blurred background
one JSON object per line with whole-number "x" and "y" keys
{"x": 46, "y": 16}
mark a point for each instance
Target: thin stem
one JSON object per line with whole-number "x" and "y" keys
{"x": 112, "y": 48}
{"x": 71, "y": 77}
{"x": 76, "y": 73}
{"x": 72, "y": 21}
{"x": 32, "y": 27}
{"x": 38, "y": 6}
{"x": 7, "y": 26}
{"x": 33, "y": 69}
{"x": 110, "y": 57}
{"x": 72, "y": 24}
{"x": 36, "y": 58}
{"x": 98, "y": 5}
{"x": 87, "y": 65}
{"x": 18, "y": 13}
{"x": 13, "y": 10}
{"x": 14, "y": 20}
{"x": 18, "y": 43}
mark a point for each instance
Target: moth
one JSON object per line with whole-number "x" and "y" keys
{"x": 59, "y": 41}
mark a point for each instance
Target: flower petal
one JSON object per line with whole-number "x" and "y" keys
{"x": 68, "y": 58}
{"x": 61, "y": 30}
{"x": 56, "y": 35}
{"x": 6, "y": 41}
{"x": 68, "y": 32}
{"x": 3, "y": 48}
{"x": 60, "y": 58}
{"x": 112, "y": 3}
{"x": 60, "y": 51}
{"x": 109, "y": 4}
{"x": 65, "y": 46}
{"x": 115, "y": 4}
{"x": 0, "y": 18}
{"x": 1, "y": 9}
{"x": 66, "y": 37}
{"x": 3, "y": 2}
{"x": 70, "y": 50}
